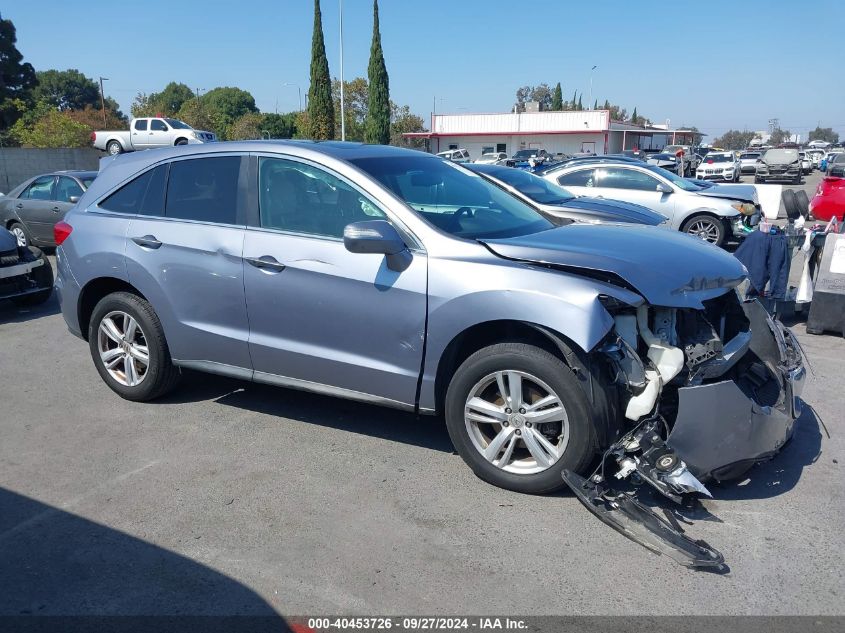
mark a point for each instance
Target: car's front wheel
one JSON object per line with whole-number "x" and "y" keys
{"x": 518, "y": 418}
{"x": 21, "y": 234}
{"x": 129, "y": 349}
{"x": 707, "y": 227}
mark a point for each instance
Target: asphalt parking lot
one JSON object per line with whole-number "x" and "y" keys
{"x": 234, "y": 498}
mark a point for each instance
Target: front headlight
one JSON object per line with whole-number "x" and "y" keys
{"x": 196, "y": 134}
{"x": 745, "y": 208}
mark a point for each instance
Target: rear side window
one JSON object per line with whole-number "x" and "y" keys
{"x": 142, "y": 196}
{"x": 140, "y": 125}
{"x": 580, "y": 178}
{"x": 204, "y": 189}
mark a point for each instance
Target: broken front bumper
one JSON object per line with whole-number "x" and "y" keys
{"x": 723, "y": 428}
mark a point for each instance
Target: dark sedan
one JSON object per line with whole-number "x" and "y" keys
{"x": 32, "y": 208}
{"x": 556, "y": 201}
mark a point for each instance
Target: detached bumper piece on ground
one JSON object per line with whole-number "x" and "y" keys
{"x": 26, "y": 276}
{"x": 736, "y": 407}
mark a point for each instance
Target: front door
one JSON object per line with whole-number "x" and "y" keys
{"x": 35, "y": 207}
{"x": 320, "y": 316}
{"x": 183, "y": 253}
{"x": 632, "y": 185}
{"x": 159, "y": 135}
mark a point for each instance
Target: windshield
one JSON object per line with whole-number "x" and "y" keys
{"x": 538, "y": 189}
{"x": 663, "y": 156}
{"x": 454, "y": 199}
{"x": 178, "y": 125}
{"x": 525, "y": 153}
{"x": 676, "y": 180}
{"x": 749, "y": 156}
{"x": 86, "y": 182}
{"x": 719, "y": 158}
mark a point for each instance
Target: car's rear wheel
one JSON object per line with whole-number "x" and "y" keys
{"x": 129, "y": 349}
{"x": 707, "y": 227}
{"x": 21, "y": 234}
{"x": 518, "y": 418}
{"x": 114, "y": 148}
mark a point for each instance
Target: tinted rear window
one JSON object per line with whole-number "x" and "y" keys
{"x": 144, "y": 195}
{"x": 204, "y": 189}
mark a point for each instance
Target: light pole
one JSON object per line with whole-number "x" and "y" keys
{"x": 591, "y": 85}
{"x": 342, "y": 104}
{"x": 103, "y": 99}
{"x": 299, "y": 90}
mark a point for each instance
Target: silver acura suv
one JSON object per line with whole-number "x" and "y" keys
{"x": 394, "y": 277}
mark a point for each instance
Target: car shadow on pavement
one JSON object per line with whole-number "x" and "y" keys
{"x": 54, "y": 563}
{"x": 310, "y": 408}
{"x": 11, "y": 313}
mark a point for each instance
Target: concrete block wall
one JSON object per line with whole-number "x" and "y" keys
{"x": 19, "y": 163}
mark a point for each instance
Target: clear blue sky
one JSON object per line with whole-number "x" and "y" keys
{"x": 716, "y": 64}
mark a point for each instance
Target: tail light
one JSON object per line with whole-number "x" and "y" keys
{"x": 61, "y": 231}
{"x": 93, "y": 136}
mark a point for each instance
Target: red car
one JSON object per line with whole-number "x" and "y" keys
{"x": 829, "y": 200}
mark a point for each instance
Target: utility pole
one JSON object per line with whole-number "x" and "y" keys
{"x": 591, "y": 86}
{"x": 103, "y": 99}
{"x": 342, "y": 105}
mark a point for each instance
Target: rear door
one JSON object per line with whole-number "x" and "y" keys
{"x": 320, "y": 316}
{"x": 35, "y": 207}
{"x": 140, "y": 134}
{"x": 183, "y": 253}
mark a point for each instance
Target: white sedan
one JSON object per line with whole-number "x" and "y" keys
{"x": 719, "y": 166}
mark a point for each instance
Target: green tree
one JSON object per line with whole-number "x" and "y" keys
{"x": 541, "y": 93}
{"x": 320, "y": 112}
{"x": 779, "y": 136}
{"x": 557, "y": 98}
{"x": 170, "y": 100}
{"x": 356, "y": 102}
{"x": 606, "y": 105}
{"x": 246, "y": 127}
{"x": 634, "y": 117}
{"x": 580, "y": 105}
{"x": 93, "y": 118}
{"x": 824, "y": 134}
{"x": 228, "y": 103}
{"x": 199, "y": 117}
{"x": 377, "y": 124}
{"x": 596, "y": 104}
{"x": 402, "y": 121}
{"x": 17, "y": 77}
{"x": 66, "y": 89}
{"x": 734, "y": 139}
{"x": 280, "y": 125}
{"x": 54, "y": 129}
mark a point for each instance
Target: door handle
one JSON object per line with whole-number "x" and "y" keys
{"x": 56, "y": 209}
{"x": 148, "y": 241}
{"x": 266, "y": 262}
{"x": 19, "y": 205}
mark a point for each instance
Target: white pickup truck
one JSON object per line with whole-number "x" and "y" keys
{"x": 150, "y": 132}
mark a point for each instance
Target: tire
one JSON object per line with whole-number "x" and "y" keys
{"x": 537, "y": 372}
{"x": 182, "y": 141}
{"x": 790, "y": 204}
{"x": 796, "y": 180}
{"x": 160, "y": 375}
{"x": 758, "y": 180}
{"x": 113, "y": 148}
{"x": 707, "y": 227}
{"x": 803, "y": 202}
{"x": 43, "y": 276}
{"x": 21, "y": 234}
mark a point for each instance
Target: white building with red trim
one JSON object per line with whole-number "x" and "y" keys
{"x": 567, "y": 132}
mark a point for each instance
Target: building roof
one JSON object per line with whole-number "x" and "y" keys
{"x": 511, "y": 123}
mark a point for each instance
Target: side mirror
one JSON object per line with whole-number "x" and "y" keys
{"x": 380, "y": 237}
{"x": 664, "y": 188}
{"x": 73, "y": 199}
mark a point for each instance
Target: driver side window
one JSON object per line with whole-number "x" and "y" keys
{"x": 580, "y": 178}
{"x": 619, "y": 178}
{"x": 40, "y": 189}
{"x": 299, "y": 198}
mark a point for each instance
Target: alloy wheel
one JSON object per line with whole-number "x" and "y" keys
{"x": 123, "y": 348}
{"x": 20, "y": 236}
{"x": 706, "y": 229}
{"x": 517, "y": 422}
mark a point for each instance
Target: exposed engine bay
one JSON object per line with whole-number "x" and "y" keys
{"x": 706, "y": 395}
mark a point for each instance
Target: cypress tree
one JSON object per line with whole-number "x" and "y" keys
{"x": 557, "y": 99}
{"x": 574, "y": 100}
{"x": 320, "y": 107}
{"x": 596, "y": 105}
{"x": 606, "y": 104}
{"x": 377, "y": 125}
{"x": 580, "y": 105}
{"x": 634, "y": 116}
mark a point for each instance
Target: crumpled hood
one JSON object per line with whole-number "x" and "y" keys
{"x": 667, "y": 268}
{"x": 615, "y": 210}
{"x": 7, "y": 241}
{"x": 743, "y": 193}
{"x": 780, "y": 156}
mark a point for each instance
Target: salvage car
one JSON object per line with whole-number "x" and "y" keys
{"x": 829, "y": 200}
{"x": 806, "y": 163}
{"x": 456, "y": 155}
{"x": 779, "y": 164}
{"x": 668, "y": 162}
{"x": 555, "y": 201}
{"x": 719, "y": 166}
{"x": 492, "y": 158}
{"x": 713, "y": 213}
{"x": 32, "y": 208}
{"x": 26, "y": 277}
{"x": 545, "y": 347}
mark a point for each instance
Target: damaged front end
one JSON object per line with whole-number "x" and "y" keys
{"x": 708, "y": 393}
